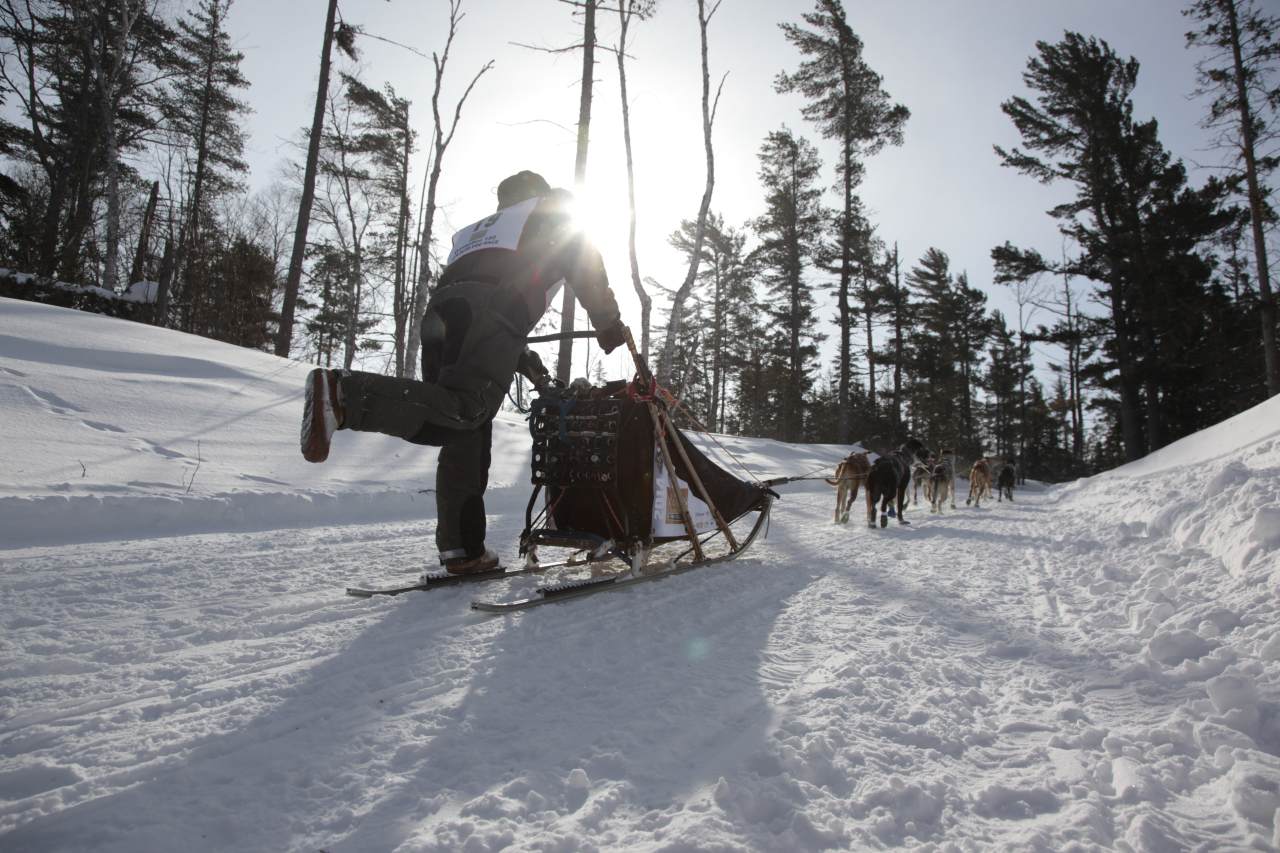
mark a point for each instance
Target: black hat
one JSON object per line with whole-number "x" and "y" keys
{"x": 520, "y": 187}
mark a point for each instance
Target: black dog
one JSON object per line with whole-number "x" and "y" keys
{"x": 891, "y": 476}
{"x": 1004, "y": 483}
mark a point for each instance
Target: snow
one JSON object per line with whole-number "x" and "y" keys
{"x": 142, "y": 291}
{"x": 1093, "y": 666}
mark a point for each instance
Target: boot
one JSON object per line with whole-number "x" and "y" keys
{"x": 486, "y": 562}
{"x": 321, "y": 414}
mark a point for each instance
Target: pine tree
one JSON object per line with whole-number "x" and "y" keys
{"x": 724, "y": 292}
{"x": 790, "y": 233}
{"x": 383, "y": 136}
{"x": 848, "y": 103}
{"x": 1240, "y": 75}
{"x": 1136, "y": 223}
{"x": 898, "y": 311}
{"x": 934, "y": 387}
{"x": 84, "y": 85}
{"x": 1008, "y": 372}
{"x": 353, "y": 200}
{"x": 242, "y": 278}
{"x": 204, "y": 113}
{"x": 329, "y": 325}
{"x": 972, "y": 329}
{"x": 874, "y": 301}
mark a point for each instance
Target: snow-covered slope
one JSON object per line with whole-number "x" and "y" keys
{"x": 1093, "y": 666}
{"x": 123, "y": 430}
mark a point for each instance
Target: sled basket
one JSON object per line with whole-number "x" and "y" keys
{"x": 598, "y": 464}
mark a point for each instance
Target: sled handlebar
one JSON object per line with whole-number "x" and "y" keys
{"x": 558, "y": 336}
{"x": 641, "y": 368}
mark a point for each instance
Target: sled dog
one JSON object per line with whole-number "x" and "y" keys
{"x": 979, "y": 482}
{"x": 889, "y": 479}
{"x": 939, "y": 488}
{"x": 1004, "y": 483}
{"x": 919, "y": 477}
{"x": 851, "y": 473}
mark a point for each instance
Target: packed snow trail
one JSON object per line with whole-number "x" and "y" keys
{"x": 1094, "y": 666}
{"x": 840, "y": 687}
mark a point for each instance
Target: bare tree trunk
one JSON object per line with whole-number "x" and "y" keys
{"x": 1257, "y": 211}
{"x": 441, "y": 142}
{"x": 112, "y": 255}
{"x": 625, "y": 12}
{"x": 357, "y": 293}
{"x": 139, "y": 269}
{"x": 700, "y": 232}
{"x": 402, "y": 225}
{"x": 342, "y": 174}
{"x": 898, "y": 323}
{"x": 846, "y": 278}
{"x": 284, "y": 338}
{"x": 422, "y": 288}
{"x": 190, "y": 248}
{"x": 411, "y": 281}
{"x": 568, "y": 303}
{"x": 871, "y": 354}
{"x": 717, "y": 352}
{"x": 1130, "y": 417}
{"x": 109, "y": 80}
{"x": 165, "y": 276}
{"x": 1073, "y": 376}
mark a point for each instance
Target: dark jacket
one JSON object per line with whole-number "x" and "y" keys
{"x": 530, "y": 267}
{"x": 502, "y": 274}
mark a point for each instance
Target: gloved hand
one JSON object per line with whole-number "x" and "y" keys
{"x": 612, "y": 337}
{"x": 530, "y": 367}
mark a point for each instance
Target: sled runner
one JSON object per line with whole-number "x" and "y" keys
{"x": 440, "y": 578}
{"x": 616, "y": 482}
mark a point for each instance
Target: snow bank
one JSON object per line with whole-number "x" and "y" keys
{"x": 122, "y": 430}
{"x": 27, "y": 521}
{"x": 1217, "y": 490}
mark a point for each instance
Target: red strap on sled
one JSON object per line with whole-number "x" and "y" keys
{"x": 638, "y": 392}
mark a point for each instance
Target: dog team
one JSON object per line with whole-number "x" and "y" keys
{"x": 913, "y": 466}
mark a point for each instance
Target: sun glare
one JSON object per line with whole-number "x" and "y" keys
{"x": 602, "y": 219}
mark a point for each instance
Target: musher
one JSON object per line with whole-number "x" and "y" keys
{"x": 499, "y": 280}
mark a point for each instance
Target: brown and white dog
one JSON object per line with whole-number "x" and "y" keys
{"x": 979, "y": 482}
{"x": 851, "y": 474}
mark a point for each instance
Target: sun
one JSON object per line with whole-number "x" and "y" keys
{"x": 602, "y": 218}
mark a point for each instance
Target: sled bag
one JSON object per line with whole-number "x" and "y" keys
{"x": 603, "y": 473}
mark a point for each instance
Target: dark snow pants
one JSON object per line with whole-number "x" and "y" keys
{"x": 470, "y": 346}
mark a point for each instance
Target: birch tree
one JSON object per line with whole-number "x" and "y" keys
{"x": 627, "y": 11}
{"x": 442, "y": 136}
{"x": 708, "y": 118}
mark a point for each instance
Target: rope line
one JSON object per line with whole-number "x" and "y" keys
{"x": 698, "y": 425}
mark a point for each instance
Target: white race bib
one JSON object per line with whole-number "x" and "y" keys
{"x": 502, "y": 230}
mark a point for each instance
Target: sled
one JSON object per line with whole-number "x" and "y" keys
{"x": 619, "y": 484}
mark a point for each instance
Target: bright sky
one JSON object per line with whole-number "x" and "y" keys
{"x": 950, "y": 63}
